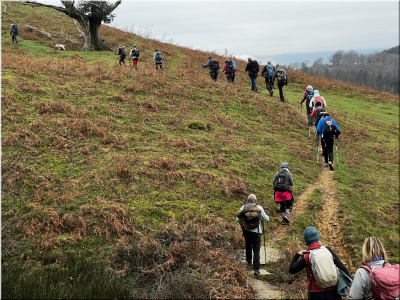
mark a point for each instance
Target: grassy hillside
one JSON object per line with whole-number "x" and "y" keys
{"x": 99, "y": 160}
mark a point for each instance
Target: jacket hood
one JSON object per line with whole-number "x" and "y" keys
{"x": 316, "y": 93}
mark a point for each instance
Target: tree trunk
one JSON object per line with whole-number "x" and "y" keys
{"x": 96, "y": 40}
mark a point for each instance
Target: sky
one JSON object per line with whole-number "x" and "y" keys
{"x": 266, "y": 29}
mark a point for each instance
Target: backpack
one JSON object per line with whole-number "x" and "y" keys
{"x": 158, "y": 56}
{"x": 254, "y": 67}
{"x": 270, "y": 70}
{"x": 229, "y": 67}
{"x": 135, "y": 53}
{"x": 330, "y": 130}
{"x": 309, "y": 95}
{"x": 281, "y": 183}
{"x": 281, "y": 75}
{"x": 251, "y": 216}
{"x": 214, "y": 65}
{"x": 318, "y": 100}
{"x": 324, "y": 270}
{"x": 234, "y": 65}
{"x": 384, "y": 281}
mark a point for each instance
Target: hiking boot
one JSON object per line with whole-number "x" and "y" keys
{"x": 286, "y": 218}
{"x": 330, "y": 165}
{"x": 325, "y": 165}
{"x": 256, "y": 272}
{"x": 285, "y": 221}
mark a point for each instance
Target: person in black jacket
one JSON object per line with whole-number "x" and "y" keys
{"x": 301, "y": 260}
{"x": 281, "y": 82}
{"x": 122, "y": 54}
{"x": 14, "y": 33}
{"x": 214, "y": 67}
{"x": 253, "y": 69}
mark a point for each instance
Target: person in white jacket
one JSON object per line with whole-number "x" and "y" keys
{"x": 317, "y": 100}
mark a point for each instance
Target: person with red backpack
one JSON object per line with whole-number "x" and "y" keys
{"x": 317, "y": 100}
{"x": 375, "y": 278}
{"x": 213, "y": 64}
{"x": 308, "y": 95}
{"x": 229, "y": 70}
{"x": 321, "y": 264}
{"x": 283, "y": 182}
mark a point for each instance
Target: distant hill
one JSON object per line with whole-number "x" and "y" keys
{"x": 393, "y": 50}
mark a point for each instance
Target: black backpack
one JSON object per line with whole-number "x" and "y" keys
{"x": 159, "y": 56}
{"x": 330, "y": 130}
{"x": 123, "y": 50}
{"x": 281, "y": 183}
{"x": 214, "y": 65}
{"x": 254, "y": 67}
{"x": 229, "y": 67}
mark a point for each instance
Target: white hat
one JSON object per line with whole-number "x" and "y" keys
{"x": 309, "y": 87}
{"x": 316, "y": 93}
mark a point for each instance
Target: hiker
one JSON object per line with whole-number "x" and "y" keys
{"x": 268, "y": 72}
{"x": 234, "y": 73}
{"x": 316, "y": 114}
{"x": 213, "y": 64}
{"x": 14, "y": 33}
{"x": 249, "y": 217}
{"x": 283, "y": 182}
{"x": 327, "y": 130}
{"x": 281, "y": 79}
{"x": 135, "y": 56}
{"x": 374, "y": 257}
{"x": 317, "y": 100}
{"x": 322, "y": 285}
{"x": 122, "y": 54}
{"x": 229, "y": 70}
{"x": 253, "y": 69}
{"x": 158, "y": 59}
{"x": 308, "y": 95}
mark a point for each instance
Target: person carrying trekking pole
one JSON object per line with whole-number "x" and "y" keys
{"x": 268, "y": 73}
{"x": 317, "y": 100}
{"x": 381, "y": 283}
{"x": 14, "y": 33}
{"x": 327, "y": 130}
{"x": 249, "y": 218}
{"x": 158, "y": 59}
{"x": 282, "y": 79}
{"x": 322, "y": 267}
{"x": 122, "y": 54}
{"x": 134, "y": 54}
{"x": 253, "y": 68}
{"x": 229, "y": 70}
{"x": 283, "y": 182}
{"x": 308, "y": 95}
{"x": 213, "y": 64}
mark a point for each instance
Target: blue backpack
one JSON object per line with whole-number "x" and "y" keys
{"x": 309, "y": 95}
{"x": 234, "y": 64}
{"x": 270, "y": 70}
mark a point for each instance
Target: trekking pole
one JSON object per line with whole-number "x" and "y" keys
{"x": 265, "y": 250}
{"x": 236, "y": 81}
{"x": 309, "y": 131}
{"x": 337, "y": 155}
{"x": 317, "y": 148}
{"x": 290, "y": 90}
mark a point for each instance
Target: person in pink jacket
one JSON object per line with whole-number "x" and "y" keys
{"x": 283, "y": 182}
{"x": 229, "y": 70}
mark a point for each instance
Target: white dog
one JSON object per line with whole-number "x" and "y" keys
{"x": 59, "y": 46}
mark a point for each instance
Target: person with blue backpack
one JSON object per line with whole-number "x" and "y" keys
{"x": 213, "y": 64}
{"x": 327, "y": 131}
{"x": 268, "y": 73}
{"x": 229, "y": 70}
{"x": 308, "y": 95}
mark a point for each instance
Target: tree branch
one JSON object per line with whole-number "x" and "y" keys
{"x": 113, "y": 7}
{"x": 37, "y": 4}
{"x": 77, "y": 28}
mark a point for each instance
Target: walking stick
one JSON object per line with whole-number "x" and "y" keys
{"x": 309, "y": 131}
{"x": 301, "y": 109}
{"x": 337, "y": 155}
{"x": 265, "y": 250}
{"x": 317, "y": 148}
{"x": 290, "y": 90}
{"x": 236, "y": 81}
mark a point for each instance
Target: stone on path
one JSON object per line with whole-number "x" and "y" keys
{"x": 273, "y": 255}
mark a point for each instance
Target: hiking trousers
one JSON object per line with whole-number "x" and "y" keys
{"x": 280, "y": 87}
{"x": 214, "y": 75}
{"x": 159, "y": 65}
{"x": 327, "y": 149}
{"x": 230, "y": 78}
{"x": 122, "y": 59}
{"x": 253, "y": 83}
{"x": 286, "y": 205}
{"x": 253, "y": 243}
{"x": 14, "y": 37}
{"x": 268, "y": 83}
{"x": 309, "y": 111}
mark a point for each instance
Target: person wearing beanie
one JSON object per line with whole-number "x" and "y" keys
{"x": 283, "y": 182}
{"x": 252, "y": 236}
{"x": 134, "y": 54}
{"x": 317, "y": 100}
{"x": 213, "y": 64}
{"x": 281, "y": 79}
{"x": 301, "y": 260}
{"x": 268, "y": 73}
{"x": 253, "y": 68}
{"x": 327, "y": 140}
{"x": 308, "y": 95}
{"x": 158, "y": 59}
{"x": 229, "y": 70}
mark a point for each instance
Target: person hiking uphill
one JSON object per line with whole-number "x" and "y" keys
{"x": 320, "y": 284}
{"x": 253, "y": 68}
{"x": 282, "y": 79}
{"x": 382, "y": 282}
{"x": 158, "y": 59}
{"x": 249, "y": 217}
{"x": 283, "y": 182}
{"x": 316, "y": 114}
{"x": 308, "y": 95}
{"x": 268, "y": 73}
{"x": 317, "y": 100}
{"x": 327, "y": 130}
{"x": 14, "y": 33}
{"x": 229, "y": 70}
{"x": 122, "y": 54}
{"x": 134, "y": 54}
{"x": 214, "y": 67}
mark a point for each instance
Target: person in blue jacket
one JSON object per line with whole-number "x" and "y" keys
{"x": 328, "y": 139}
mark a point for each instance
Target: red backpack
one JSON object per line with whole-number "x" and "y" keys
{"x": 318, "y": 100}
{"x": 384, "y": 281}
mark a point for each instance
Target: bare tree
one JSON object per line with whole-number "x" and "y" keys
{"x": 89, "y": 15}
{"x": 318, "y": 61}
{"x": 336, "y": 57}
{"x": 350, "y": 57}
